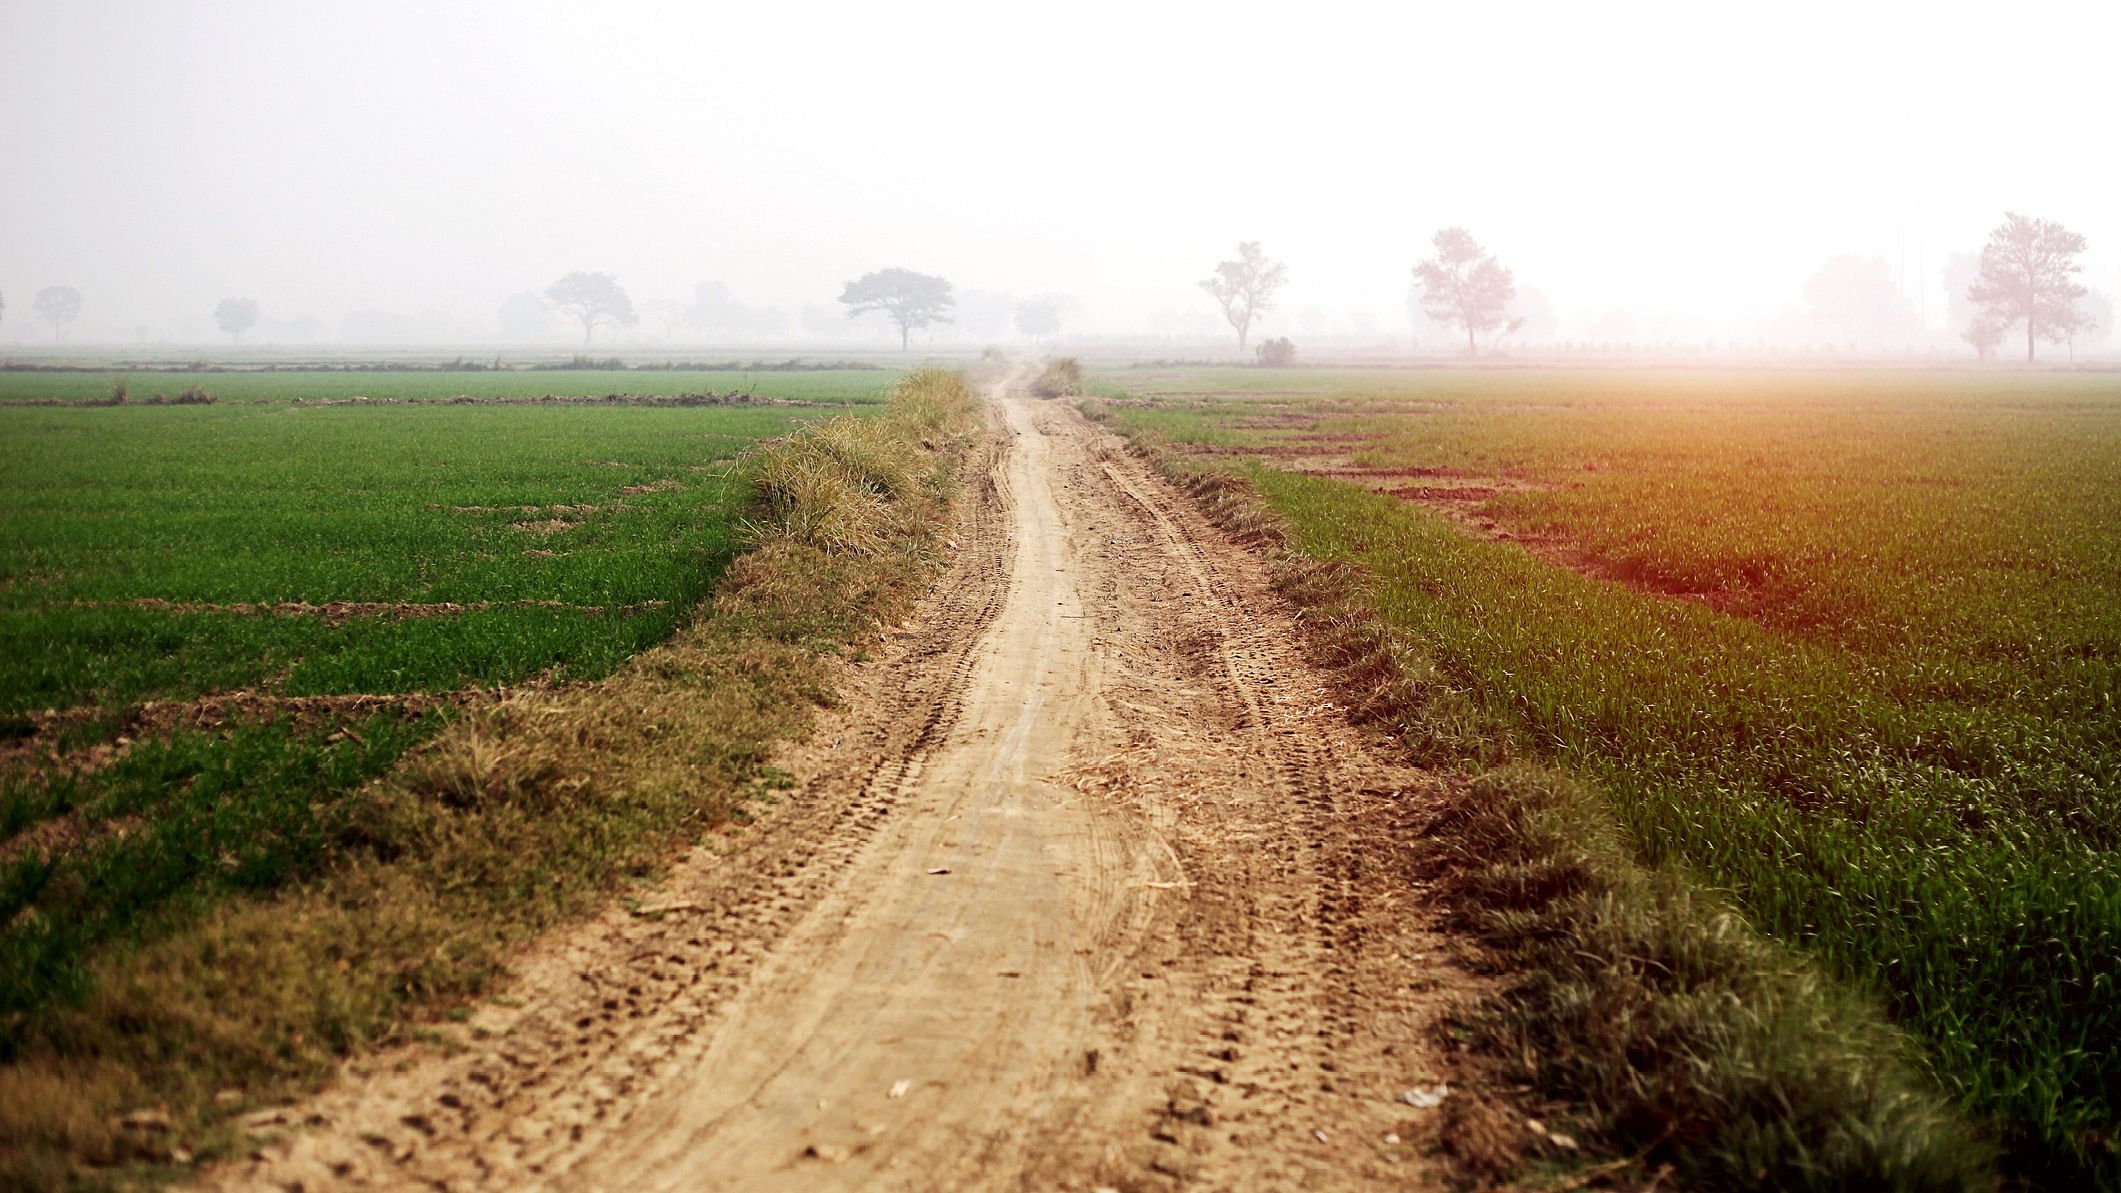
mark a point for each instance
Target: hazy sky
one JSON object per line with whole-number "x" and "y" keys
{"x": 1692, "y": 162}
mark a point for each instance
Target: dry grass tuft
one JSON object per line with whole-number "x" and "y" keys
{"x": 845, "y": 483}
{"x": 485, "y": 766}
{"x": 1061, "y": 377}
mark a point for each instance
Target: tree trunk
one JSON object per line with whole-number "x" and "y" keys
{"x": 1243, "y": 333}
{"x": 588, "y": 329}
{"x": 1472, "y": 345}
{"x": 2028, "y": 339}
{"x": 904, "y": 334}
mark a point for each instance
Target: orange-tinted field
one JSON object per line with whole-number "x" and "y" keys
{"x": 1847, "y": 644}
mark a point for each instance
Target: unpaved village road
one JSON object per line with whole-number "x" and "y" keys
{"x": 1087, "y": 884}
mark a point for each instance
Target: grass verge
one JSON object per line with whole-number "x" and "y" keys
{"x": 530, "y": 809}
{"x": 1686, "y": 1038}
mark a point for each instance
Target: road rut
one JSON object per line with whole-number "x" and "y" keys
{"x": 1087, "y": 884}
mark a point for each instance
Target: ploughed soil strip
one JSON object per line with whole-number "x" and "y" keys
{"x": 1087, "y": 883}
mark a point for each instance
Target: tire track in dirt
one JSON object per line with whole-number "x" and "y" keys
{"x": 1088, "y": 884}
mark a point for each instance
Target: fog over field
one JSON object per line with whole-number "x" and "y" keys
{"x": 395, "y": 172}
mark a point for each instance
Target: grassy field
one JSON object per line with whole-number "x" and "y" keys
{"x": 1847, "y": 645}
{"x": 214, "y": 895}
{"x": 835, "y": 386}
{"x": 217, "y": 621}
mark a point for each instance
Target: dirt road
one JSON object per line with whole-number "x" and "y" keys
{"x": 1088, "y": 884}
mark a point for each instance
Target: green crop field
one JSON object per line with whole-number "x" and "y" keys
{"x": 1847, "y": 645}
{"x": 216, "y": 621}
{"x": 848, "y": 385}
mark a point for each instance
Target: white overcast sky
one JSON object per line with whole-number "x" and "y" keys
{"x": 1691, "y": 162}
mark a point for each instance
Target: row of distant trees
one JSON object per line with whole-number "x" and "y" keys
{"x": 61, "y": 305}
{"x": 1460, "y": 285}
{"x": 910, "y": 301}
{"x": 2023, "y": 281}
{"x": 56, "y": 305}
{"x": 596, "y": 301}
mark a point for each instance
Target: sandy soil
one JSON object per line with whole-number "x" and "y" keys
{"x": 1087, "y": 885}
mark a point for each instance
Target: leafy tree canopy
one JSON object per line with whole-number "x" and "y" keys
{"x": 911, "y": 300}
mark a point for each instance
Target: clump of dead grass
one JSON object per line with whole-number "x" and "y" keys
{"x": 845, "y": 483}
{"x": 529, "y": 809}
{"x": 1060, "y": 377}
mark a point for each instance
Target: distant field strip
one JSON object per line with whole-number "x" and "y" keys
{"x": 1846, "y": 644}
{"x": 217, "y": 621}
{"x": 339, "y": 611}
{"x": 836, "y": 387}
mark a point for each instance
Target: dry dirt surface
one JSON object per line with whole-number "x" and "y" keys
{"x": 1087, "y": 885}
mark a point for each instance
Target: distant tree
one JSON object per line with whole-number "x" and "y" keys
{"x": 1245, "y": 287}
{"x": 1958, "y": 274}
{"x": 58, "y": 306}
{"x": 2025, "y": 278}
{"x": 1985, "y": 334}
{"x": 716, "y": 314}
{"x": 2091, "y": 321}
{"x": 1853, "y": 300}
{"x": 525, "y": 318}
{"x": 823, "y": 322}
{"x": 768, "y": 323}
{"x": 985, "y": 314}
{"x": 1532, "y": 315}
{"x": 671, "y": 314}
{"x": 591, "y": 299}
{"x": 236, "y": 316}
{"x": 715, "y": 310}
{"x": 1422, "y": 327}
{"x": 1277, "y": 354}
{"x": 1038, "y": 317}
{"x": 3, "y": 306}
{"x": 911, "y": 300}
{"x": 1465, "y": 285}
{"x": 2100, "y": 329}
